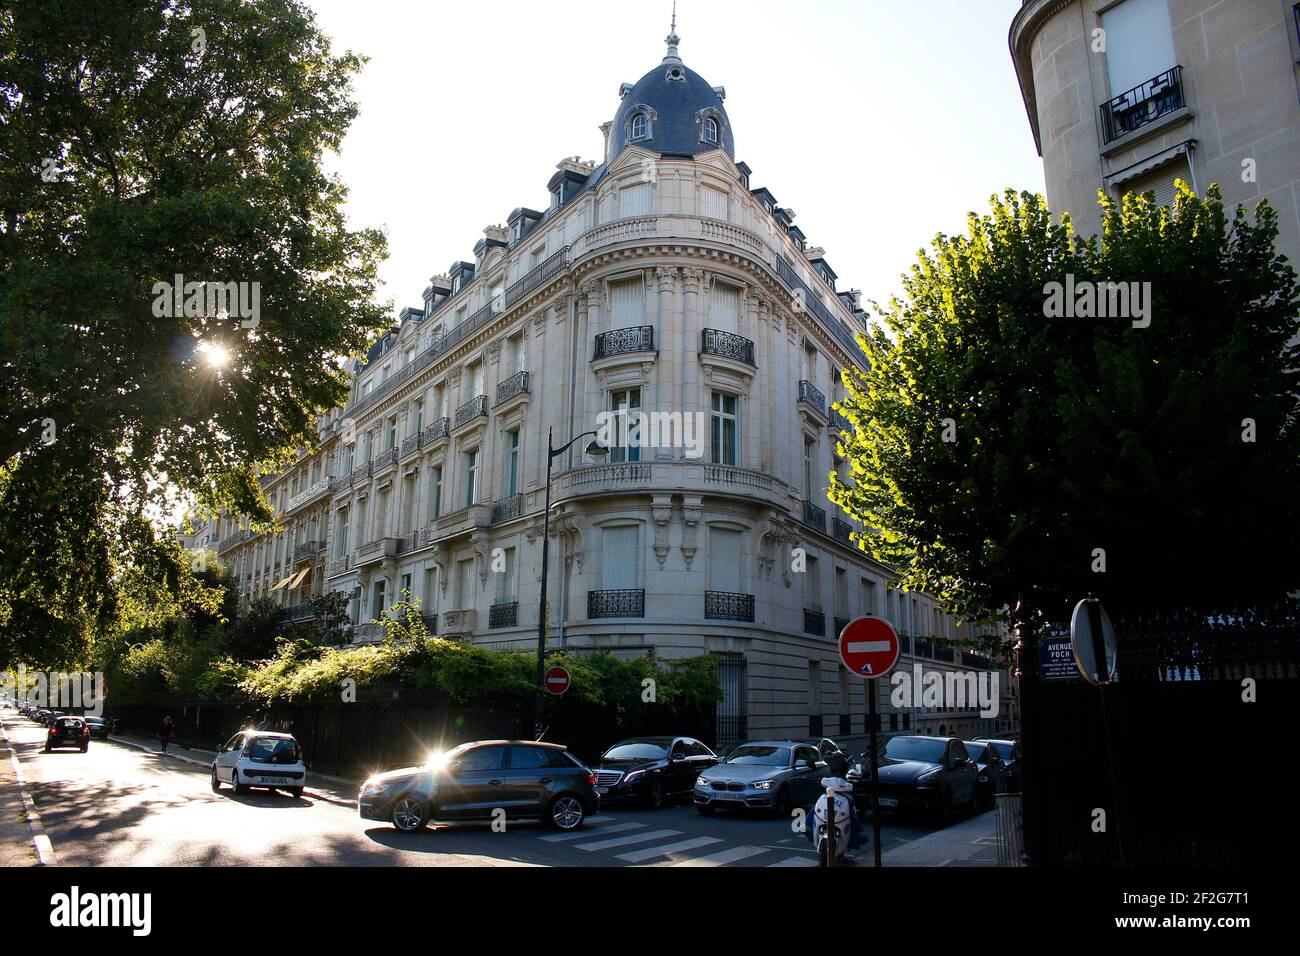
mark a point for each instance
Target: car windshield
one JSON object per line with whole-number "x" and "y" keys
{"x": 916, "y": 748}
{"x": 635, "y": 750}
{"x": 70, "y": 724}
{"x": 94, "y": 720}
{"x": 273, "y": 750}
{"x": 1004, "y": 750}
{"x": 762, "y": 756}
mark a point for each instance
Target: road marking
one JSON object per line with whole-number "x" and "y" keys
{"x": 639, "y": 856}
{"x": 645, "y": 837}
{"x": 559, "y": 837}
{"x": 795, "y": 861}
{"x": 40, "y": 841}
{"x": 733, "y": 855}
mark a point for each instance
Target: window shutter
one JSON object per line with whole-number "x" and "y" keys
{"x": 634, "y": 201}
{"x": 724, "y": 308}
{"x": 620, "y": 559}
{"x": 713, "y": 203}
{"x": 724, "y": 560}
{"x": 627, "y": 304}
{"x": 1160, "y": 181}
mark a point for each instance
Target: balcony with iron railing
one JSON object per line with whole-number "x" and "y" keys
{"x": 811, "y": 395}
{"x": 437, "y": 430}
{"x": 640, "y": 338}
{"x": 361, "y": 472}
{"x": 507, "y": 509}
{"x": 338, "y": 566}
{"x": 385, "y": 459}
{"x": 814, "y": 517}
{"x": 322, "y": 487}
{"x": 839, "y": 421}
{"x": 841, "y": 529}
{"x": 625, "y": 602}
{"x": 513, "y": 387}
{"x": 727, "y": 345}
{"x": 503, "y": 615}
{"x": 307, "y": 550}
{"x": 1141, "y": 106}
{"x": 728, "y": 606}
{"x": 377, "y": 550}
{"x": 476, "y": 407}
{"x": 814, "y": 621}
{"x": 840, "y": 624}
{"x": 412, "y": 443}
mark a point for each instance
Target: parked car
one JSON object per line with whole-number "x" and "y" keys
{"x": 836, "y": 757}
{"x": 992, "y": 771}
{"x": 1009, "y": 751}
{"x": 525, "y": 778}
{"x": 50, "y": 716}
{"x": 773, "y": 775}
{"x": 651, "y": 770}
{"x": 68, "y": 732}
{"x": 98, "y": 727}
{"x": 931, "y": 775}
{"x": 260, "y": 758}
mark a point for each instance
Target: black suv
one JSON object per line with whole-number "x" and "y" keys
{"x": 651, "y": 770}
{"x": 524, "y": 778}
{"x": 68, "y": 732}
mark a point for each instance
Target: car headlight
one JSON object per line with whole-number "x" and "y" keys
{"x": 701, "y": 783}
{"x": 634, "y": 776}
{"x": 762, "y": 784}
{"x": 931, "y": 779}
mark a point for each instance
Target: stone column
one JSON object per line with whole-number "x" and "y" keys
{"x": 593, "y": 400}
{"x": 669, "y": 363}
{"x": 691, "y": 324}
{"x": 755, "y": 454}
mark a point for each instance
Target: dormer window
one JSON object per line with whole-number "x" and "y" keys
{"x": 455, "y": 283}
{"x": 639, "y": 126}
{"x": 710, "y": 130}
{"x": 709, "y": 123}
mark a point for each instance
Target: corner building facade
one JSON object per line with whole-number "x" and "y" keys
{"x": 657, "y": 280}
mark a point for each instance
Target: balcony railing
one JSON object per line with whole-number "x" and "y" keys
{"x": 728, "y": 606}
{"x": 436, "y": 430}
{"x": 412, "y": 443}
{"x": 1142, "y": 105}
{"x": 639, "y": 338}
{"x": 301, "y": 498}
{"x": 809, "y": 394}
{"x": 507, "y": 509}
{"x": 810, "y": 300}
{"x": 839, "y": 421}
{"x": 476, "y": 407}
{"x": 620, "y": 603}
{"x": 503, "y": 615}
{"x": 840, "y": 624}
{"x": 307, "y": 550}
{"x": 361, "y": 473}
{"x": 814, "y": 516}
{"x": 841, "y": 529}
{"x": 384, "y": 459}
{"x": 515, "y": 385}
{"x": 338, "y": 566}
{"x": 814, "y": 622}
{"x": 728, "y": 345}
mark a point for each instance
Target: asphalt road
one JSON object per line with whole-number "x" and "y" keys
{"x": 117, "y": 805}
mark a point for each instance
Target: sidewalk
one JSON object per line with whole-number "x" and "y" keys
{"x": 22, "y": 838}
{"x": 972, "y": 842}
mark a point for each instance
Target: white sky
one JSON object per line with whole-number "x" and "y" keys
{"x": 879, "y": 122}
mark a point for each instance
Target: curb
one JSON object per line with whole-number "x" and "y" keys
{"x": 40, "y": 839}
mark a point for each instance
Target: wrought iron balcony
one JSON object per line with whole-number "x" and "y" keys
{"x": 512, "y": 387}
{"x": 507, "y": 509}
{"x": 1142, "y": 105}
{"x": 841, "y": 529}
{"x": 307, "y": 494}
{"x": 728, "y": 606}
{"x": 476, "y": 407}
{"x": 383, "y": 460}
{"x": 361, "y": 472}
{"x": 814, "y": 622}
{"x": 307, "y": 550}
{"x": 412, "y": 443}
{"x": 814, "y": 516}
{"x": 839, "y": 421}
{"x": 503, "y": 615}
{"x": 639, "y": 338}
{"x": 620, "y": 603}
{"x": 840, "y": 624}
{"x": 338, "y": 566}
{"x": 437, "y": 430}
{"x": 809, "y": 394}
{"x": 728, "y": 345}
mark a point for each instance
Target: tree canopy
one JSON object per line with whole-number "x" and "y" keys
{"x": 1000, "y": 454}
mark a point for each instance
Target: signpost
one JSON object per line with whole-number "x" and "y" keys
{"x": 1056, "y": 658}
{"x": 557, "y": 680}
{"x": 869, "y": 648}
{"x": 1095, "y": 655}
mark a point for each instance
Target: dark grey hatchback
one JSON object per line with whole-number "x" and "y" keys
{"x": 524, "y": 778}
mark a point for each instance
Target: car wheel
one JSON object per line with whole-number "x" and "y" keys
{"x": 409, "y": 814}
{"x": 295, "y": 792}
{"x": 656, "y": 796}
{"x": 239, "y": 788}
{"x": 705, "y": 809}
{"x": 216, "y": 784}
{"x": 566, "y": 812}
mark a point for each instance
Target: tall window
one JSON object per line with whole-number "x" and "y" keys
{"x": 435, "y": 492}
{"x": 464, "y": 587}
{"x": 506, "y": 578}
{"x": 377, "y": 598}
{"x": 621, "y": 557}
{"x": 471, "y": 476}
{"x": 809, "y": 467}
{"x": 1139, "y": 43}
{"x": 724, "y": 308}
{"x": 392, "y": 433}
{"x": 512, "y": 463}
{"x": 724, "y": 560}
{"x": 841, "y": 592}
{"x": 341, "y": 536}
{"x": 713, "y": 203}
{"x": 625, "y": 405}
{"x": 812, "y": 585}
{"x": 627, "y": 304}
{"x": 725, "y": 431}
{"x": 417, "y": 416}
{"x": 381, "y": 513}
{"x": 638, "y": 125}
{"x": 710, "y": 130}
{"x": 634, "y": 200}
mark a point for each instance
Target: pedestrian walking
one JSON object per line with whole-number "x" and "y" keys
{"x": 166, "y": 733}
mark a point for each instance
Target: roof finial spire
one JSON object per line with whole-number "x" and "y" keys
{"x": 672, "y": 39}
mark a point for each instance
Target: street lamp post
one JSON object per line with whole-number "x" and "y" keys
{"x": 596, "y": 450}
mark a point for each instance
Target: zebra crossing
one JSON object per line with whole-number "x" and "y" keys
{"x": 642, "y": 844}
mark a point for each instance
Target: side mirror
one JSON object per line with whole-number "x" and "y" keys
{"x": 820, "y": 764}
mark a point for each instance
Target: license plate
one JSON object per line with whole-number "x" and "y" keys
{"x": 887, "y": 801}
{"x": 602, "y": 790}
{"x": 272, "y": 780}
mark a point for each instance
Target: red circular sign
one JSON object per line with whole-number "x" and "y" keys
{"x": 869, "y": 646}
{"x": 557, "y": 680}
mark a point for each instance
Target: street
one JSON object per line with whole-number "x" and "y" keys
{"x": 118, "y": 805}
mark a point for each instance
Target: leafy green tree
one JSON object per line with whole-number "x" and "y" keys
{"x": 251, "y": 636}
{"x": 999, "y": 454}
{"x": 140, "y": 141}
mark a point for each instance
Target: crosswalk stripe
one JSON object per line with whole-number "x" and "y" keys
{"x": 560, "y": 837}
{"x": 733, "y": 855}
{"x": 795, "y": 861}
{"x": 639, "y": 856}
{"x": 625, "y": 840}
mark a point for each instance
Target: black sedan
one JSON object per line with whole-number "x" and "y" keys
{"x": 98, "y": 727}
{"x": 772, "y": 775}
{"x": 931, "y": 775}
{"x": 992, "y": 771}
{"x": 68, "y": 732}
{"x": 651, "y": 770}
{"x": 523, "y": 779}
{"x": 1009, "y": 751}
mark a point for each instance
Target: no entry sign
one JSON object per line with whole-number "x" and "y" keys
{"x": 869, "y": 646}
{"x": 557, "y": 680}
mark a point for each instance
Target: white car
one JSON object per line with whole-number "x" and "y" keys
{"x": 260, "y": 758}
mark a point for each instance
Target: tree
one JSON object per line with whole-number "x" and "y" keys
{"x": 141, "y": 141}
{"x": 251, "y": 636}
{"x": 1000, "y": 454}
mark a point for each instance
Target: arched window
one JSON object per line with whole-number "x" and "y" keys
{"x": 638, "y": 125}
{"x": 710, "y": 130}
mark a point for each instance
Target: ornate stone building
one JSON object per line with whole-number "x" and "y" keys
{"x": 659, "y": 280}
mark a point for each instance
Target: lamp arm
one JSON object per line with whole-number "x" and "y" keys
{"x": 556, "y": 452}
